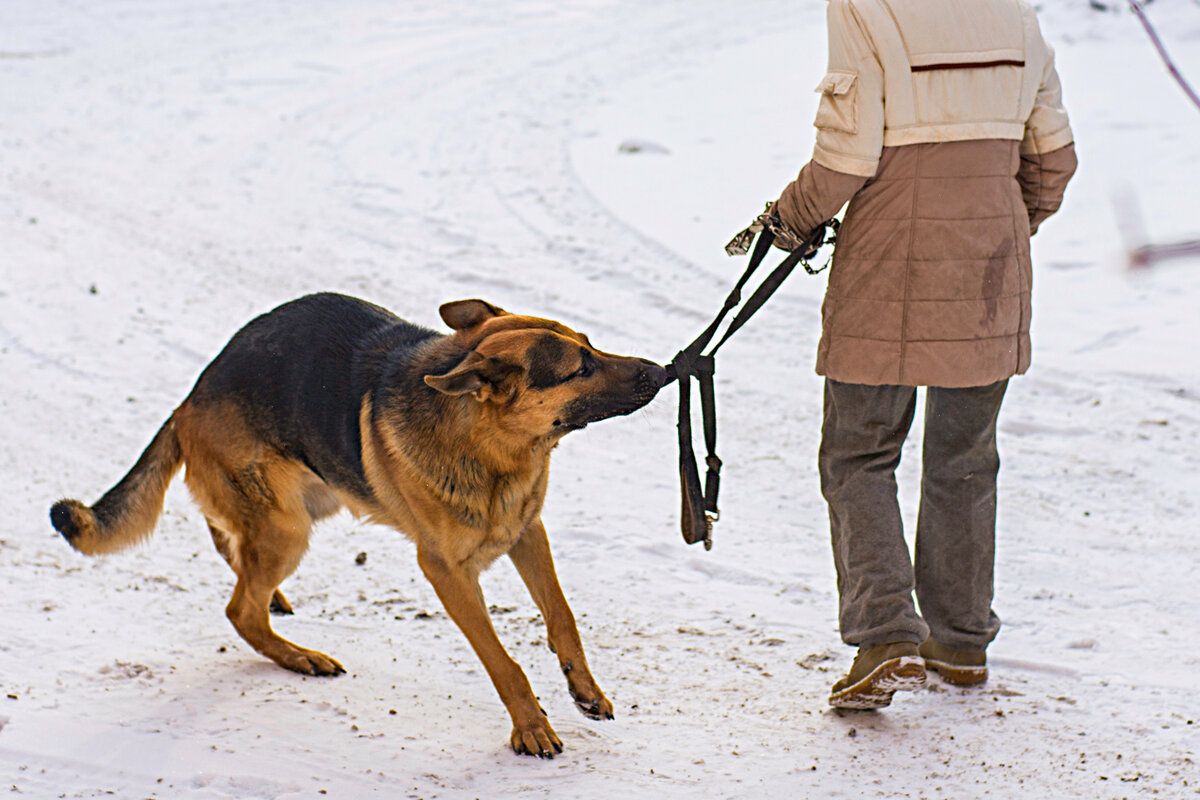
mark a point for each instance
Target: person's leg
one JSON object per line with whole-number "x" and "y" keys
{"x": 861, "y": 439}
{"x": 956, "y": 525}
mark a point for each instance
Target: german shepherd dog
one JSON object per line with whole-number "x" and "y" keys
{"x": 330, "y": 401}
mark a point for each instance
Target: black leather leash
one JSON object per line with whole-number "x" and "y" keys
{"x": 699, "y": 508}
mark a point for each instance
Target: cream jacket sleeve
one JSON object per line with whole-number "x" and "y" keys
{"x": 1047, "y": 128}
{"x": 850, "y": 115}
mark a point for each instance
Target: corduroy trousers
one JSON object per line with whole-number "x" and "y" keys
{"x": 951, "y": 570}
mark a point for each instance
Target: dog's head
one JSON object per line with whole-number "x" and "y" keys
{"x": 544, "y": 378}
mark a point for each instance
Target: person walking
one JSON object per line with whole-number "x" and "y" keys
{"x": 941, "y": 122}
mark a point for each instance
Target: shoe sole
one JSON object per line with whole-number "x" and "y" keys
{"x": 957, "y": 674}
{"x": 904, "y": 674}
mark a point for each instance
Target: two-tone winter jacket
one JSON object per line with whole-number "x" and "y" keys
{"x": 941, "y": 121}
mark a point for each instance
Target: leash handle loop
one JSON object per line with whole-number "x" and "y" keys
{"x": 695, "y": 523}
{"x": 708, "y": 415}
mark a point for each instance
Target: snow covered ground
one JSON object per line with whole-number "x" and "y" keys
{"x": 170, "y": 170}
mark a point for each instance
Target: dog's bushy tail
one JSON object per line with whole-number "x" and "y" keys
{"x": 126, "y": 514}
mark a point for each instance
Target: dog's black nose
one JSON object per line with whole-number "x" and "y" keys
{"x": 656, "y": 374}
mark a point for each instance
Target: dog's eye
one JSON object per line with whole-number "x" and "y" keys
{"x": 586, "y": 368}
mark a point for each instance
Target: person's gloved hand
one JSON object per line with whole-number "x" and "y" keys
{"x": 788, "y": 239}
{"x": 785, "y": 238}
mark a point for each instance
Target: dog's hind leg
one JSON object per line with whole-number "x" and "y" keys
{"x": 268, "y": 549}
{"x": 458, "y": 589}
{"x": 531, "y": 556}
{"x": 225, "y": 546}
{"x": 255, "y": 500}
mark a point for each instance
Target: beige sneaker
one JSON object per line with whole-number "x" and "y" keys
{"x": 959, "y": 667}
{"x": 876, "y": 674}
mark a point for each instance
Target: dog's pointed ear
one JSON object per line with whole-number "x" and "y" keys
{"x": 462, "y": 315}
{"x": 479, "y": 375}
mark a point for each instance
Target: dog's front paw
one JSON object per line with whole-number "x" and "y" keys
{"x": 536, "y": 738}
{"x": 592, "y": 704}
{"x": 588, "y": 698}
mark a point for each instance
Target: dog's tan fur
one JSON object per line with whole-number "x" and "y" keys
{"x": 456, "y": 458}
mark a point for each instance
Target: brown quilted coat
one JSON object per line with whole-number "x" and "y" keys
{"x": 931, "y": 278}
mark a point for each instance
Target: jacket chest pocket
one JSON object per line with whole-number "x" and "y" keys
{"x": 838, "y": 110}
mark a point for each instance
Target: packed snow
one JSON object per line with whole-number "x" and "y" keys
{"x": 170, "y": 170}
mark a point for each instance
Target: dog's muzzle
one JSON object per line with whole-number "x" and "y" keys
{"x": 649, "y": 380}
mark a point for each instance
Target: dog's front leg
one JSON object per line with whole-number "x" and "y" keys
{"x": 459, "y": 592}
{"x": 531, "y": 556}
